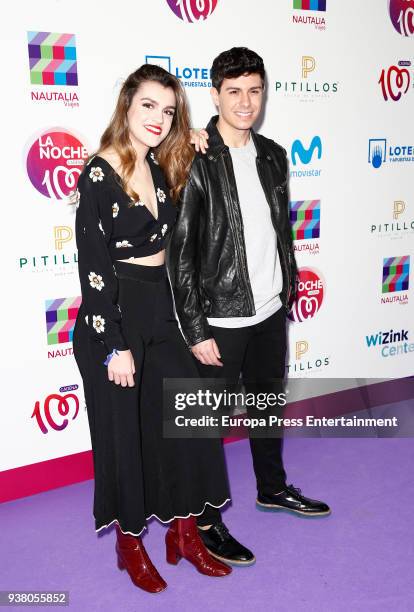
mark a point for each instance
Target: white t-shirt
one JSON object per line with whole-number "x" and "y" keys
{"x": 260, "y": 239}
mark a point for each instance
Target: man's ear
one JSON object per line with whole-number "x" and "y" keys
{"x": 215, "y": 96}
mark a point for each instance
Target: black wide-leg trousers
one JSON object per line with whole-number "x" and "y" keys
{"x": 258, "y": 353}
{"x": 139, "y": 473}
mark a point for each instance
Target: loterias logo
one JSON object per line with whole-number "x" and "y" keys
{"x": 306, "y": 155}
{"x": 379, "y": 151}
{"x": 192, "y": 10}
{"x": 51, "y": 415}
{"x": 309, "y": 297}
{"x": 307, "y": 88}
{"x": 395, "y": 81}
{"x": 395, "y": 279}
{"x": 397, "y": 226}
{"x": 318, "y": 21}
{"x": 53, "y": 63}
{"x": 190, "y": 76}
{"x": 402, "y": 16}
{"x": 54, "y": 163}
{"x": 305, "y": 217}
{"x": 305, "y": 364}
{"x": 60, "y": 262}
{"x": 390, "y": 343}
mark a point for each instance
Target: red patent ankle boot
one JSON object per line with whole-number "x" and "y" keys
{"x": 133, "y": 557}
{"x": 183, "y": 540}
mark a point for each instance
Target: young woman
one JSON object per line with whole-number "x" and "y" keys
{"x": 126, "y": 338}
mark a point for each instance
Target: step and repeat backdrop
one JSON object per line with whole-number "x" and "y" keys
{"x": 339, "y": 99}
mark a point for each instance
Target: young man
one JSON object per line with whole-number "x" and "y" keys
{"x": 233, "y": 271}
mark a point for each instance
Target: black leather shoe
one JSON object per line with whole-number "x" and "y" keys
{"x": 291, "y": 500}
{"x": 221, "y": 544}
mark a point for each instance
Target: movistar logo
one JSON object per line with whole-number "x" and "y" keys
{"x": 305, "y": 155}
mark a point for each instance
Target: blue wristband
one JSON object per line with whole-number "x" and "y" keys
{"x": 109, "y": 357}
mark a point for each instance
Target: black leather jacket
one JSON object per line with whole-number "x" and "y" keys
{"x": 207, "y": 255}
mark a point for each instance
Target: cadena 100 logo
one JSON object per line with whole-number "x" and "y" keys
{"x": 54, "y": 163}
{"x": 309, "y": 296}
{"x": 192, "y": 10}
{"x": 402, "y": 16}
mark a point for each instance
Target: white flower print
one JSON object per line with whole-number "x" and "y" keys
{"x": 87, "y": 320}
{"x": 161, "y": 195}
{"x": 115, "y": 209}
{"x": 153, "y": 237}
{"x": 95, "y": 281}
{"x": 122, "y": 244}
{"x": 96, "y": 174}
{"x": 164, "y": 229}
{"x": 152, "y": 156}
{"x": 100, "y": 227}
{"x": 98, "y": 323}
{"x": 138, "y": 203}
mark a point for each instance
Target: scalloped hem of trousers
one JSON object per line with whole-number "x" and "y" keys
{"x": 158, "y": 518}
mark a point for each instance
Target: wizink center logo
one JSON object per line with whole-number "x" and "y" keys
{"x": 54, "y": 163}
{"x": 192, "y": 10}
{"x": 402, "y": 16}
{"x": 310, "y": 5}
{"x": 309, "y": 297}
{"x": 395, "y": 279}
{"x": 61, "y": 262}
{"x": 52, "y": 63}
{"x": 390, "y": 343}
{"x": 61, "y": 315}
{"x": 305, "y": 364}
{"x": 306, "y": 155}
{"x": 397, "y": 225}
{"x": 305, "y": 217}
{"x": 307, "y": 88}
{"x": 190, "y": 76}
{"x": 379, "y": 151}
{"x": 395, "y": 81}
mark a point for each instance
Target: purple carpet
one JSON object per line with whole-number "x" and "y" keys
{"x": 361, "y": 558}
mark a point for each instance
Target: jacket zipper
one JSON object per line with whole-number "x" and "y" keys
{"x": 239, "y": 240}
{"x": 288, "y": 292}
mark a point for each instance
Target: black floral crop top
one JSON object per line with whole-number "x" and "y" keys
{"x": 110, "y": 226}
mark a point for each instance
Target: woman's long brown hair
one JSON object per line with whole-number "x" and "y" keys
{"x": 174, "y": 155}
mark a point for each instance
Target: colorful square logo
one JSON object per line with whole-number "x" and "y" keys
{"x": 395, "y": 274}
{"x": 310, "y": 5}
{"x": 52, "y": 58}
{"x": 61, "y": 315}
{"x": 305, "y": 216}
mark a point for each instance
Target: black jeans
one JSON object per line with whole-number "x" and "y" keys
{"x": 256, "y": 352}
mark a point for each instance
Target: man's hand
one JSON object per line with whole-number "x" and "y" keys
{"x": 207, "y": 352}
{"x": 199, "y": 139}
{"x": 121, "y": 369}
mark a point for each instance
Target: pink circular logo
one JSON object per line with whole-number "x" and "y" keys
{"x": 192, "y": 10}
{"x": 402, "y": 16}
{"x": 54, "y": 163}
{"x": 309, "y": 296}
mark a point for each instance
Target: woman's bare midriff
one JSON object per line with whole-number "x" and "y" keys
{"x": 151, "y": 260}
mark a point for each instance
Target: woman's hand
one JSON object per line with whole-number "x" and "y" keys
{"x": 121, "y": 369}
{"x": 199, "y": 139}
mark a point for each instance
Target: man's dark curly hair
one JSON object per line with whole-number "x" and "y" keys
{"x": 236, "y": 62}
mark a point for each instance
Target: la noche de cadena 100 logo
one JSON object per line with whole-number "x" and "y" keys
{"x": 309, "y": 297}
{"x": 192, "y": 10}
{"x": 402, "y": 16}
{"x": 54, "y": 163}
